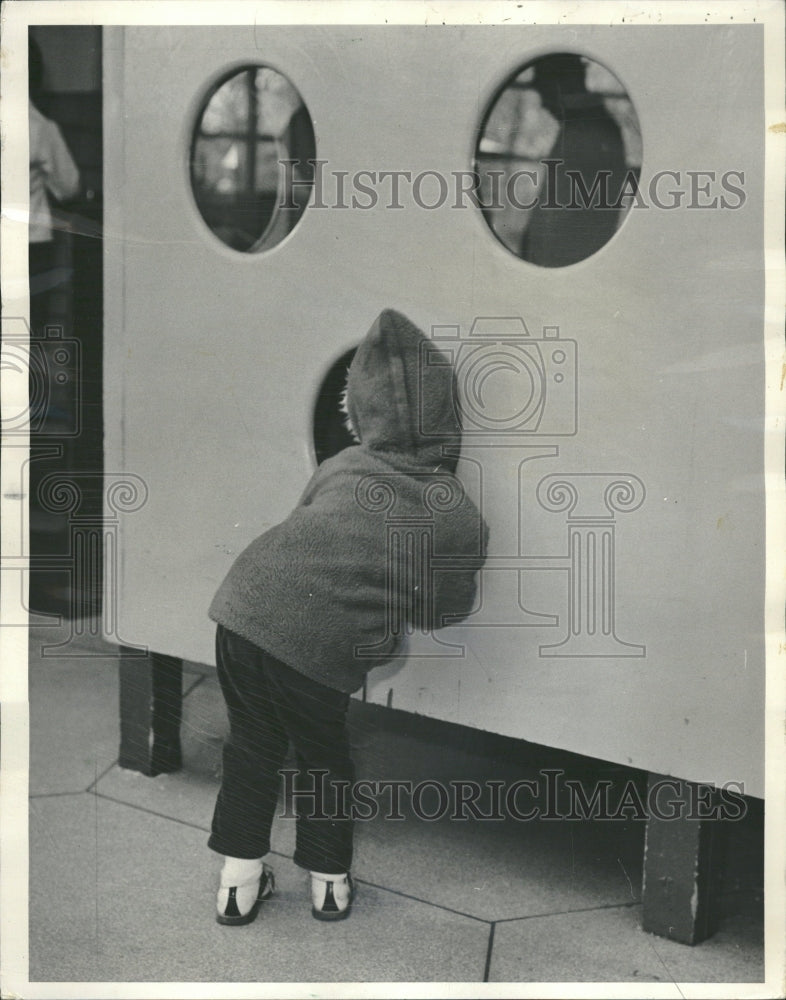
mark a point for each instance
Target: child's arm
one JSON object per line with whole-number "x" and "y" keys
{"x": 454, "y": 588}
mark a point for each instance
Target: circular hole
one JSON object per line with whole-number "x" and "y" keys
{"x": 331, "y": 434}
{"x": 558, "y": 156}
{"x": 251, "y": 145}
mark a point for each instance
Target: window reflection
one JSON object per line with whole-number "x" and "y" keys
{"x": 559, "y": 157}
{"x": 246, "y": 185}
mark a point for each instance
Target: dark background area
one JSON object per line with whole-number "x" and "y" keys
{"x": 67, "y": 443}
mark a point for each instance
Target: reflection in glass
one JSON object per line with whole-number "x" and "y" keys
{"x": 246, "y": 185}
{"x": 559, "y": 157}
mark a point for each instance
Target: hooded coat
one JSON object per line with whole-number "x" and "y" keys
{"x": 364, "y": 558}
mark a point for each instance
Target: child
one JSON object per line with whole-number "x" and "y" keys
{"x": 306, "y": 611}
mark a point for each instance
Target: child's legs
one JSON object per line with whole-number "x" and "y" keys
{"x": 314, "y": 717}
{"x": 253, "y": 753}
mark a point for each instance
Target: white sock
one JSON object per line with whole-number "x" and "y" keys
{"x": 239, "y": 871}
{"x": 342, "y": 892}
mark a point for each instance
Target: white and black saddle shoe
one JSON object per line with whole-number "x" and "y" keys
{"x": 239, "y": 904}
{"x": 331, "y": 896}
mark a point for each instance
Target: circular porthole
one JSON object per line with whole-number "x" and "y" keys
{"x": 558, "y": 156}
{"x": 250, "y": 152}
{"x": 331, "y": 427}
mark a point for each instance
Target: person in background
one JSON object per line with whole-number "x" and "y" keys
{"x": 589, "y": 144}
{"x": 53, "y": 174}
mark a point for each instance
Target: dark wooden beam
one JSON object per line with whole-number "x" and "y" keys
{"x": 151, "y": 703}
{"x": 683, "y": 857}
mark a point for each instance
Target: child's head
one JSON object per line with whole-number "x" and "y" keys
{"x": 401, "y": 392}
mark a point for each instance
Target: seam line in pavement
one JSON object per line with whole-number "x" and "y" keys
{"x": 150, "y": 812}
{"x": 565, "y": 913}
{"x": 489, "y": 949}
{"x": 419, "y": 899}
{"x": 56, "y": 795}
{"x": 98, "y": 777}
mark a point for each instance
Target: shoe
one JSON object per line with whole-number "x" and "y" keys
{"x": 239, "y": 904}
{"x": 331, "y": 896}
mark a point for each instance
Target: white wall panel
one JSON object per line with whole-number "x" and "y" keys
{"x": 214, "y": 359}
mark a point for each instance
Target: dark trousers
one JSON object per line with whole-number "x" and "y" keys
{"x": 270, "y": 705}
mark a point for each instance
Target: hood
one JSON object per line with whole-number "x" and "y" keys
{"x": 401, "y": 392}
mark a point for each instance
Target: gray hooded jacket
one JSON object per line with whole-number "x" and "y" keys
{"x": 362, "y": 559}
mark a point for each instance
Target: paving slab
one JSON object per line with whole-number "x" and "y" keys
{"x": 610, "y": 946}
{"x": 73, "y": 719}
{"x": 489, "y": 869}
{"x": 74, "y": 712}
{"x": 120, "y": 895}
{"x": 98, "y": 911}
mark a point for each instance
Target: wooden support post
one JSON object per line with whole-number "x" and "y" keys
{"x": 151, "y": 701}
{"x": 683, "y": 857}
